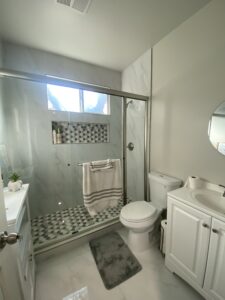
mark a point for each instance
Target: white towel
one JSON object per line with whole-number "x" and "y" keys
{"x": 102, "y": 185}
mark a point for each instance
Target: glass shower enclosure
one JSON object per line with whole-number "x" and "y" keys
{"x": 49, "y": 128}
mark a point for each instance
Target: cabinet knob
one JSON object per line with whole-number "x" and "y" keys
{"x": 215, "y": 230}
{"x": 205, "y": 225}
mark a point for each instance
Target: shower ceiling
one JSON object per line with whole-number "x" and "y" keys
{"x": 111, "y": 34}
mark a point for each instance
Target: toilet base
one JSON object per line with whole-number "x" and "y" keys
{"x": 138, "y": 241}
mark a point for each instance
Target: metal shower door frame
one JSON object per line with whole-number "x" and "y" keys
{"x": 146, "y": 147}
{"x": 6, "y": 73}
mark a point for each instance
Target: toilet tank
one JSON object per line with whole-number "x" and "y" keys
{"x": 159, "y": 186}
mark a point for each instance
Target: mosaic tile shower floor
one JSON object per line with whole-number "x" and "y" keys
{"x": 67, "y": 223}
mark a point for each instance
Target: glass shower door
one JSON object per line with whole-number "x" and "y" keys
{"x": 135, "y": 156}
{"x": 47, "y": 147}
{"x": 28, "y": 150}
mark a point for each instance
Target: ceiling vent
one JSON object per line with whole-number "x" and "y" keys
{"x": 79, "y": 5}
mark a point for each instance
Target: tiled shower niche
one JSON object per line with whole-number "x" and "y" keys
{"x": 80, "y": 132}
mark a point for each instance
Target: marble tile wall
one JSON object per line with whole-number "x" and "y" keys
{"x": 1, "y": 101}
{"x": 136, "y": 79}
{"x": 1, "y": 58}
{"x": 52, "y": 170}
{"x": 3, "y": 156}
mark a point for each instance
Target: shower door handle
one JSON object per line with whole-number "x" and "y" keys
{"x": 130, "y": 146}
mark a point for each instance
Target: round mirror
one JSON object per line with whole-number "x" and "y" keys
{"x": 216, "y": 129}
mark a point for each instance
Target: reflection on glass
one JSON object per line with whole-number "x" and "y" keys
{"x": 217, "y": 129}
{"x": 62, "y": 98}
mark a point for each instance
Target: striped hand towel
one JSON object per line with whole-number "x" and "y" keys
{"x": 102, "y": 185}
{"x": 100, "y": 165}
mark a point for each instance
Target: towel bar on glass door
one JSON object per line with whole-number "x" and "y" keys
{"x": 81, "y": 164}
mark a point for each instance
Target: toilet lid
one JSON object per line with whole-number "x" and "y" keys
{"x": 138, "y": 211}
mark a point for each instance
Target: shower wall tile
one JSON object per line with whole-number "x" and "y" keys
{"x": 136, "y": 79}
{"x": 1, "y": 54}
{"x": 52, "y": 171}
{"x": 3, "y": 154}
{"x": 2, "y": 123}
{"x": 1, "y": 101}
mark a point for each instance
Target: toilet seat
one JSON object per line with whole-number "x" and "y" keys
{"x": 138, "y": 212}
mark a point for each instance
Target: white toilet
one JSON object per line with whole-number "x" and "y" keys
{"x": 140, "y": 216}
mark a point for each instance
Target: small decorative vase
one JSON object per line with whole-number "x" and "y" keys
{"x": 14, "y": 186}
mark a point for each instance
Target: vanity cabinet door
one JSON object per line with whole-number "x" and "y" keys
{"x": 215, "y": 271}
{"x": 188, "y": 232}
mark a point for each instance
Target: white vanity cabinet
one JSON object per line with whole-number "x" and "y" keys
{"x": 188, "y": 240}
{"x": 18, "y": 219}
{"x": 215, "y": 271}
{"x": 195, "y": 248}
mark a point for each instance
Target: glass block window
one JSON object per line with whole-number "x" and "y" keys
{"x": 62, "y": 98}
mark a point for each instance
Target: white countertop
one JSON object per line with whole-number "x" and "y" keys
{"x": 14, "y": 203}
{"x": 184, "y": 195}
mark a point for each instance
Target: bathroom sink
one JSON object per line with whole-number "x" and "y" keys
{"x": 210, "y": 198}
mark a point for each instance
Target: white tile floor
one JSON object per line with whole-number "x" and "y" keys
{"x": 63, "y": 274}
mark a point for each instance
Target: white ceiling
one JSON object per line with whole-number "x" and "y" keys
{"x": 112, "y": 34}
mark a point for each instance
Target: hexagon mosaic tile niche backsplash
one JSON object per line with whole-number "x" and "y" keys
{"x": 81, "y": 132}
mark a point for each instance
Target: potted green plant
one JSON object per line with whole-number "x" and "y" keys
{"x": 15, "y": 183}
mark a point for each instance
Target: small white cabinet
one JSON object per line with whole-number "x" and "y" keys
{"x": 18, "y": 219}
{"x": 215, "y": 271}
{"x": 195, "y": 248}
{"x": 188, "y": 239}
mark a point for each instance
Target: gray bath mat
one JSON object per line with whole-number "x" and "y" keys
{"x": 115, "y": 262}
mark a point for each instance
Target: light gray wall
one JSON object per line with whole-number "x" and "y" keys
{"x": 29, "y": 139}
{"x": 1, "y": 99}
{"x": 41, "y": 62}
{"x": 136, "y": 79}
{"x": 188, "y": 85}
